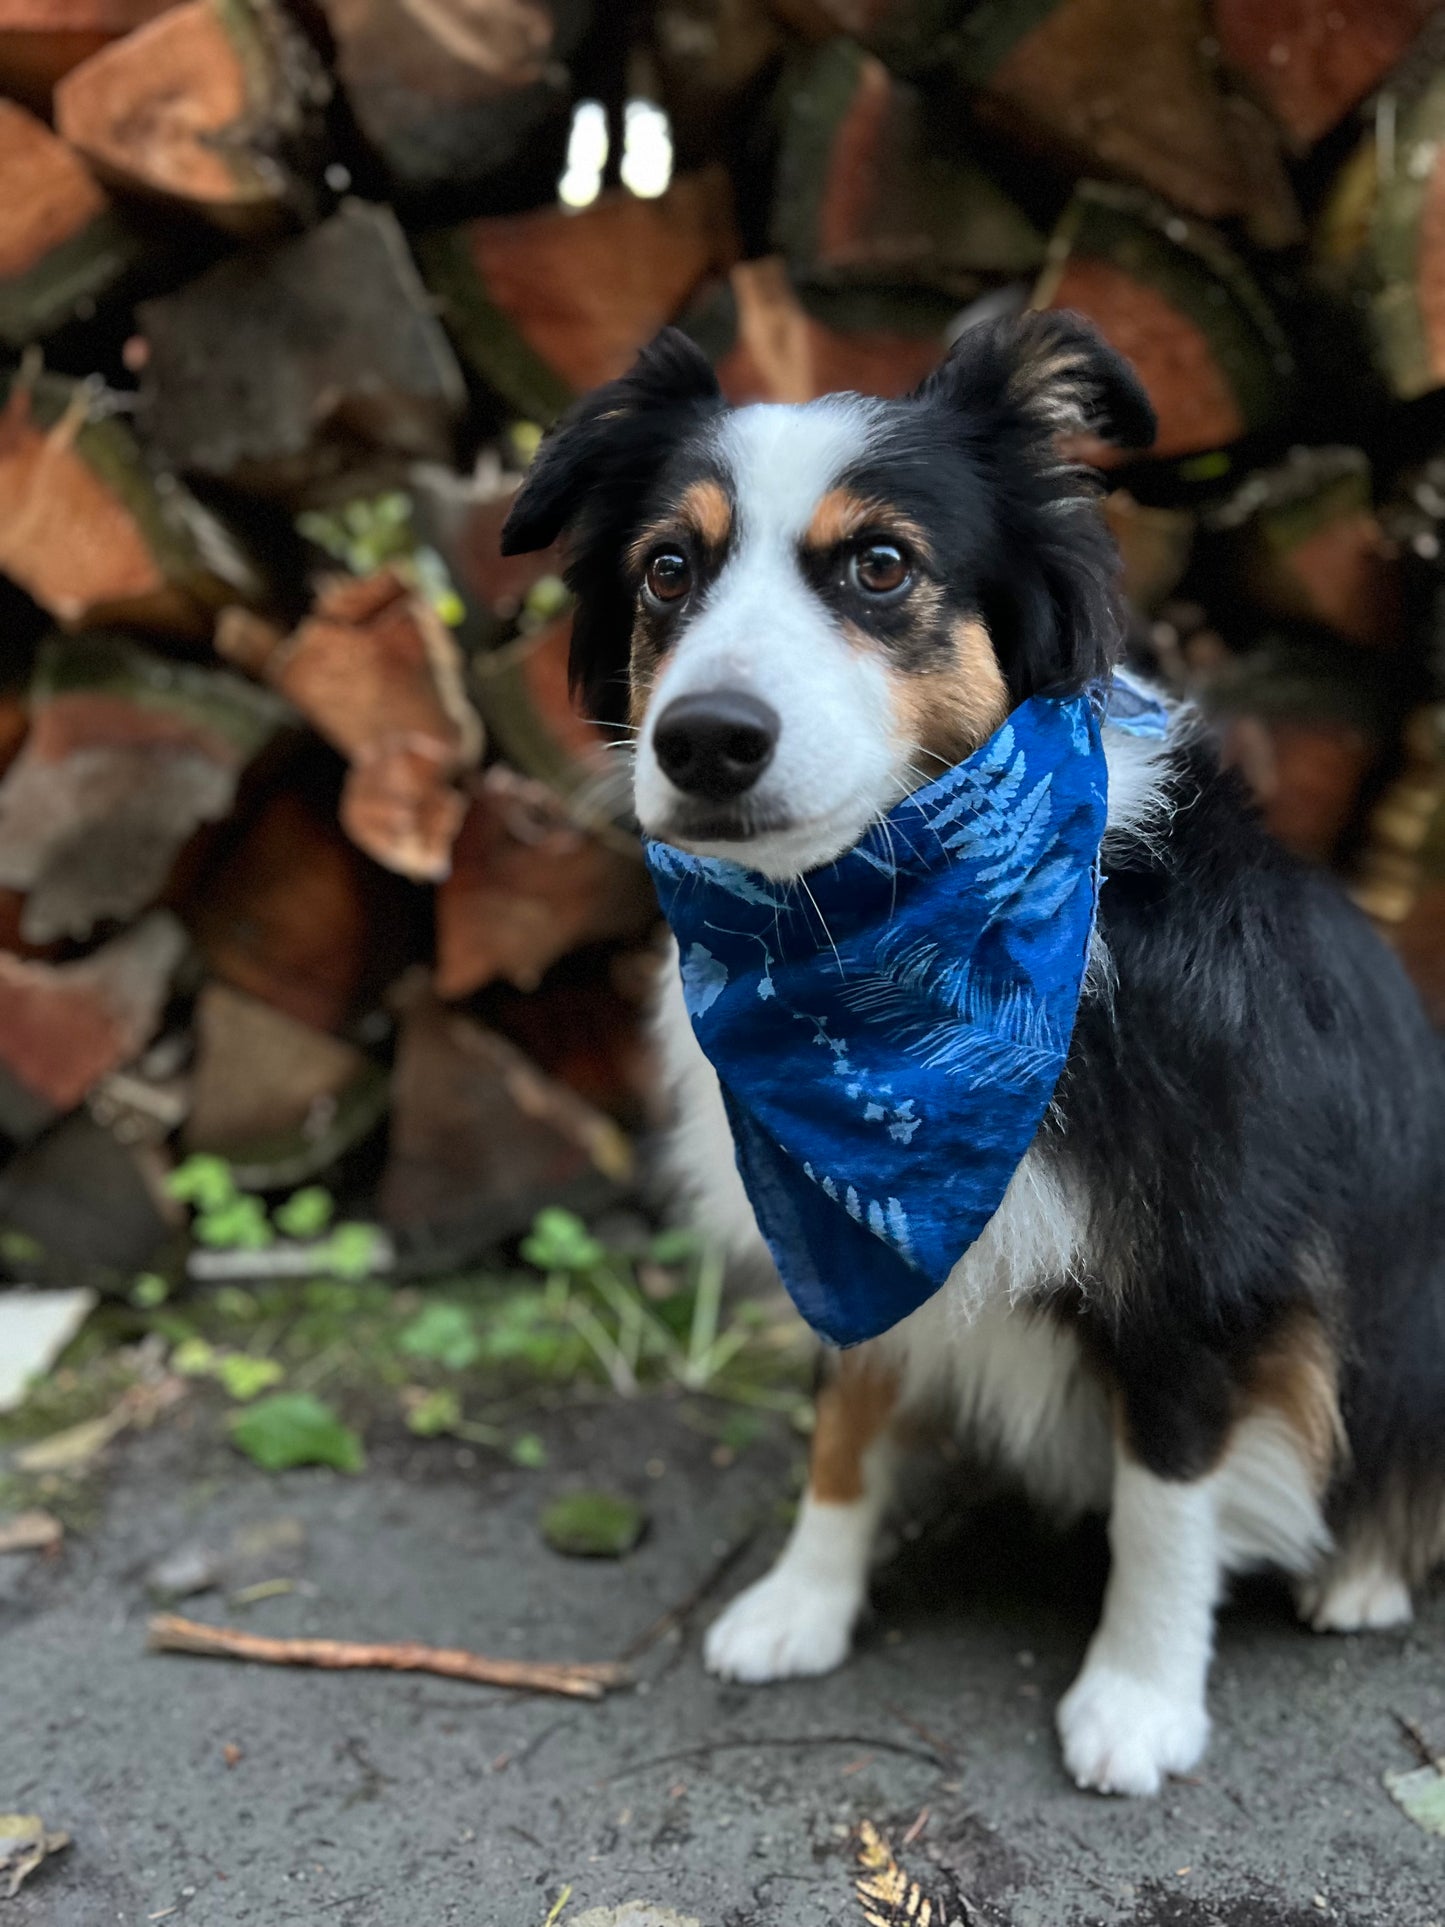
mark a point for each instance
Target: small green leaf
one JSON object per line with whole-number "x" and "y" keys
{"x": 149, "y": 1290}
{"x": 306, "y": 1213}
{"x": 245, "y": 1377}
{"x": 528, "y": 1450}
{"x": 593, "y": 1525}
{"x": 351, "y": 1251}
{"x": 205, "y": 1182}
{"x": 194, "y": 1358}
{"x": 445, "y": 1333}
{"x": 559, "y": 1241}
{"x": 240, "y": 1224}
{"x": 293, "y": 1428}
{"x": 434, "y": 1413}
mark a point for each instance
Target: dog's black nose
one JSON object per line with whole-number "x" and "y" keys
{"x": 716, "y": 744}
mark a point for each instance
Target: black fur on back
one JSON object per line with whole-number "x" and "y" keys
{"x": 1255, "y": 1114}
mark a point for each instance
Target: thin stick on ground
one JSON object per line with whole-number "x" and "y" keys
{"x": 168, "y": 1633}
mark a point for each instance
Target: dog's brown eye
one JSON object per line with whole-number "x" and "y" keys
{"x": 879, "y": 569}
{"x": 669, "y": 576}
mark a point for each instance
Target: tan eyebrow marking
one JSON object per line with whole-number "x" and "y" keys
{"x": 842, "y": 515}
{"x": 703, "y": 510}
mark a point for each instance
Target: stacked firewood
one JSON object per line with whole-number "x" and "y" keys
{"x": 306, "y": 859}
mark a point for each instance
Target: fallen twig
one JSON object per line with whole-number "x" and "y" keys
{"x": 170, "y": 1634}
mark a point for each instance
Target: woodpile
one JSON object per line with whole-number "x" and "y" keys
{"x": 306, "y": 858}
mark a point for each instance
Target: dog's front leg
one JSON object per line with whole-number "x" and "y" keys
{"x": 800, "y": 1618}
{"x": 1136, "y": 1712}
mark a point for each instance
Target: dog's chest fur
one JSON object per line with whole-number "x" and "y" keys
{"x": 1011, "y": 1379}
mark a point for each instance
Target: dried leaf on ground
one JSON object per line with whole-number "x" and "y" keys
{"x": 74, "y": 1449}
{"x": 1420, "y": 1793}
{"x": 885, "y": 1893}
{"x": 593, "y": 1525}
{"x": 25, "y": 1841}
{"x": 35, "y": 1531}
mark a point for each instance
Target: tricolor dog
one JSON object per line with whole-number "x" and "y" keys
{"x": 1206, "y": 1296}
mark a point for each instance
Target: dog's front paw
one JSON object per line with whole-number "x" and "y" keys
{"x": 1122, "y": 1733}
{"x": 784, "y": 1626}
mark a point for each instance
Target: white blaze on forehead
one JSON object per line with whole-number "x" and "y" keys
{"x": 784, "y": 458}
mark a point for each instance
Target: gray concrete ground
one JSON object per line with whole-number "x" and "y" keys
{"x": 372, "y": 1800}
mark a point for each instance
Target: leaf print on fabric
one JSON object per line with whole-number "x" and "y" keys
{"x": 939, "y": 1013}
{"x": 704, "y": 979}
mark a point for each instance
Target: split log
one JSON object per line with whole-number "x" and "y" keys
{"x": 378, "y": 673}
{"x": 448, "y": 93}
{"x": 1381, "y": 242}
{"x": 303, "y": 362}
{"x": 528, "y": 885}
{"x": 41, "y": 40}
{"x": 1119, "y": 87}
{"x": 1123, "y": 87}
{"x": 1307, "y": 723}
{"x": 63, "y": 245}
{"x": 1304, "y": 542}
{"x": 522, "y": 692}
{"x": 127, "y": 756}
{"x": 1154, "y": 547}
{"x": 215, "y": 106}
{"x": 481, "y": 1139}
{"x": 869, "y": 190}
{"x": 772, "y": 341}
{"x": 547, "y": 304}
{"x": 1311, "y": 61}
{"x": 589, "y": 1027}
{"x": 1178, "y": 304}
{"x": 94, "y": 1206}
{"x": 281, "y": 1102}
{"x": 92, "y": 532}
{"x": 294, "y": 914}
{"x": 1399, "y": 880}
{"x": 63, "y": 1027}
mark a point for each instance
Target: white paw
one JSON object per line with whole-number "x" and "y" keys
{"x": 786, "y": 1625}
{"x": 1369, "y": 1599}
{"x": 1122, "y": 1734}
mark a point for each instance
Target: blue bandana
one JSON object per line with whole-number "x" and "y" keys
{"x": 889, "y": 1037}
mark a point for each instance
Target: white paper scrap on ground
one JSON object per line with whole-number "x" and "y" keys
{"x": 35, "y": 1328}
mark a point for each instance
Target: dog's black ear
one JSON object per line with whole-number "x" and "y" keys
{"x": 611, "y": 438}
{"x": 1055, "y": 370}
{"x": 1051, "y": 599}
{"x": 590, "y": 478}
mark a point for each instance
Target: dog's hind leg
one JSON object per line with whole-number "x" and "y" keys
{"x": 800, "y": 1617}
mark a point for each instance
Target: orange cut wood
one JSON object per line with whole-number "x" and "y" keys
{"x": 47, "y": 193}
{"x": 779, "y": 351}
{"x": 64, "y": 1026}
{"x": 528, "y": 885}
{"x": 377, "y": 672}
{"x": 549, "y": 303}
{"x": 86, "y": 532}
{"x": 1311, "y": 61}
{"x": 179, "y": 108}
{"x": 41, "y": 40}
